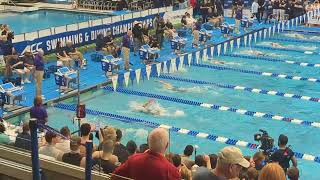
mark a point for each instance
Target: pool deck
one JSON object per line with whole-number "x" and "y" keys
{"x": 93, "y": 77}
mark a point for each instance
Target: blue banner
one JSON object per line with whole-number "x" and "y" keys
{"x": 82, "y": 36}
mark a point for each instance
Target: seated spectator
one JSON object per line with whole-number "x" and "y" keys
{"x": 230, "y": 163}
{"x": 74, "y": 54}
{"x": 100, "y": 43}
{"x": 253, "y": 174}
{"x": 50, "y": 148}
{"x": 185, "y": 157}
{"x": 151, "y": 164}
{"x": 64, "y": 144}
{"x": 62, "y": 57}
{"x": 106, "y": 160}
{"x": 5, "y": 30}
{"x": 109, "y": 133}
{"x": 110, "y": 46}
{"x": 259, "y": 160}
{"x": 213, "y": 160}
{"x": 119, "y": 149}
{"x": 85, "y": 131}
{"x": 39, "y": 112}
{"x": 272, "y": 171}
{"x": 18, "y": 67}
{"x": 143, "y": 148}
{"x": 28, "y": 59}
{"x": 73, "y": 156}
{"x": 122, "y": 5}
{"x": 201, "y": 169}
{"x": 131, "y": 147}
{"x": 4, "y": 139}
{"x": 23, "y": 140}
{"x": 185, "y": 173}
{"x": 293, "y": 173}
{"x": 169, "y": 29}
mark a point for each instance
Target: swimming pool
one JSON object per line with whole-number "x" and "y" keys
{"x": 42, "y": 19}
{"x": 264, "y": 93}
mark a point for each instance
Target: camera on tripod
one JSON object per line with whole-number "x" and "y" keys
{"x": 265, "y": 140}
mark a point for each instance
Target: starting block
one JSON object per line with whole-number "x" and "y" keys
{"x": 64, "y": 77}
{"x": 178, "y": 43}
{"x": 111, "y": 64}
{"x": 182, "y": 32}
{"x": 147, "y": 53}
{"x": 208, "y": 26}
{"x": 246, "y": 23}
{"x": 226, "y": 29}
{"x": 205, "y": 35}
{"x": 10, "y": 93}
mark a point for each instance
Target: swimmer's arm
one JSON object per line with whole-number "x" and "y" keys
{"x": 148, "y": 103}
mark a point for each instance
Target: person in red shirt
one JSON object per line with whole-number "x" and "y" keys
{"x": 151, "y": 164}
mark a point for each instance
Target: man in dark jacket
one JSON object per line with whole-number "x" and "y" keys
{"x": 23, "y": 140}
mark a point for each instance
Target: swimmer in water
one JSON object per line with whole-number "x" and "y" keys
{"x": 224, "y": 62}
{"x": 170, "y": 87}
{"x": 150, "y": 107}
{"x": 276, "y": 45}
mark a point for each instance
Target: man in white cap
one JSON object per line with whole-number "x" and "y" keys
{"x": 230, "y": 162}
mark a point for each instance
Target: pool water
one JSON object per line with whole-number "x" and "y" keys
{"x": 42, "y": 19}
{"x": 222, "y": 123}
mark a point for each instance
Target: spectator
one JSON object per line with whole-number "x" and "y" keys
{"x": 4, "y": 139}
{"x": 38, "y": 74}
{"x": 28, "y": 59}
{"x": 62, "y": 58}
{"x": 176, "y": 161}
{"x": 106, "y": 160}
{"x": 272, "y": 171}
{"x": 268, "y": 9}
{"x": 234, "y": 6}
{"x": 109, "y": 44}
{"x": 254, "y": 10}
{"x": 293, "y": 173}
{"x": 109, "y": 133}
{"x": 169, "y": 29}
{"x": 131, "y": 147}
{"x": 126, "y": 44}
{"x": 160, "y": 31}
{"x": 137, "y": 36}
{"x": 17, "y": 66}
{"x": 39, "y": 112}
{"x": 185, "y": 157}
{"x": 74, "y": 157}
{"x": 276, "y": 9}
{"x": 122, "y": 5}
{"x": 238, "y": 19}
{"x": 119, "y": 149}
{"x": 74, "y": 54}
{"x": 143, "y": 148}
{"x": 100, "y": 43}
{"x": 185, "y": 173}
{"x": 85, "y": 131}
{"x": 201, "y": 169}
{"x": 213, "y": 160}
{"x": 184, "y": 21}
{"x": 9, "y": 54}
{"x": 259, "y": 160}
{"x": 50, "y": 148}
{"x": 230, "y": 163}
{"x": 282, "y": 9}
{"x": 196, "y": 33}
{"x": 204, "y": 11}
{"x": 261, "y": 9}
{"x": 5, "y": 30}
{"x": 156, "y": 21}
{"x": 253, "y": 174}
{"x": 64, "y": 143}
{"x": 145, "y": 34}
{"x": 193, "y": 4}
{"x": 152, "y": 164}
{"x": 190, "y": 20}
{"x": 23, "y": 140}
{"x": 284, "y": 154}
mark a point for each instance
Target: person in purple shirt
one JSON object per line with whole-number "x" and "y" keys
{"x": 39, "y": 71}
{"x": 126, "y": 48}
{"x": 238, "y": 18}
{"x": 38, "y": 111}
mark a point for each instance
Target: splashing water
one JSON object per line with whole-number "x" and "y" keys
{"x": 137, "y": 133}
{"x": 305, "y": 47}
{"x": 154, "y": 109}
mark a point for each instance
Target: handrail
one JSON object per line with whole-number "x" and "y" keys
{"x": 15, "y": 170}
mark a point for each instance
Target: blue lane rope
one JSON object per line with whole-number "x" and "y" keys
{"x": 293, "y": 40}
{"x": 216, "y": 107}
{"x": 302, "y": 31}
{"x": 283, "y": 49}
{"x": 263, "y": 58}
{"x": 259, "y": 73}
{"x": 239, "y": 87}
{"x": 178, "y": 130}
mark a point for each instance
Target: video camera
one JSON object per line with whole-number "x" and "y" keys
{"x": 265, "y": 140}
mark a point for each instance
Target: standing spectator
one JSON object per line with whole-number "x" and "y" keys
{"x": 235, "y": 4}
{"x": 119, "y": 149}
{"x": 261, "y": 9}
{"x": 4, "y": 139}
{"x": 202, "y": 167}
{"x": 73, "y": 156}
{"x": 131, "y": 147}
{"x": 268, "y": 9}
{"x": 185, "y": 157}
{"x": 219, "y": 7}
{"x": 152, "y": 164}
{"x": 259, "y": 160}
{"x": 276, "y": 9}
{"x": 160, "y": 31}
{"x": 145, "y": 34}
{"x": 238, "y": 19}
{"x": 252, "y": 173}
{"x": 204, "y": 11}
{"x": 254, "y": 10}
{"x": 38, "y": 111}
{"x": 282, "y": 9}
{"x": 289, "y": 10}
{"x": 23, "y": 140}
{"x": 196, "y": 33}
{"x": 272, "y": 171}
{"x": 169, "y": 29}
{"x": 213, "y": 160}
{"x": 110, "y": 46}
{"x": 193, "y": 5}
{"x": 64, "y": 144}
{"x": 9, "y": 54}
{"x": 75, "y": 54}
{"x": 38, "y": 74}
{"x": 50, "y": 148}
{"x": 143, "y": 148}
{"x": 85, "y": 131}
{"x": 284, "y": 154}
{"x": 5, "y": 30}
{"x": 298, "y": 8}
{"x": 28, "y": 60}
{"x": 156, "y": 21}
{"x": 126, "y": 49}
{"x": 230, "y": 163}
{"x": 137, "y": 36}
{"x": 293, "y": 173}
{"x": 104, "y": 160}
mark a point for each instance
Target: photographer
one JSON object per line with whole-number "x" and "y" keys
{"x": 284, "y": 154}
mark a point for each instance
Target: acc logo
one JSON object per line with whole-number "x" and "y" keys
{"x": 32, "y": 48}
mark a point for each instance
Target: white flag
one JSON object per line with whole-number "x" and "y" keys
{"x": 158, "y": 65}
{"x": 245, "y": 38}
{"x": 173, "y": 65}
{"x": 205, "y": 55}
{"x": 181, "y": 62}
{"x": 165, "y": 70}
{"x": 225, "y": 47}
{"x": 148, "y": 70}
{"x": 114, "y": 80}
{"x": 126, "y": 76}
{"x": 269, "y": 32}
{"x": 250, "y": 39}
{"x": 212, "y": 51}
{"x": 219, "y": 49}
{"x": 138, "y": 72}
{"x": 231, "y": 45}
{"x": 264, "y": 33}
{"x": 238, "y": 43}
{"x": 197, "y": 56}
{"x": 189, "y": 59}
{"x": 260, "y": 34}
{"x": 278, "y": 28}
